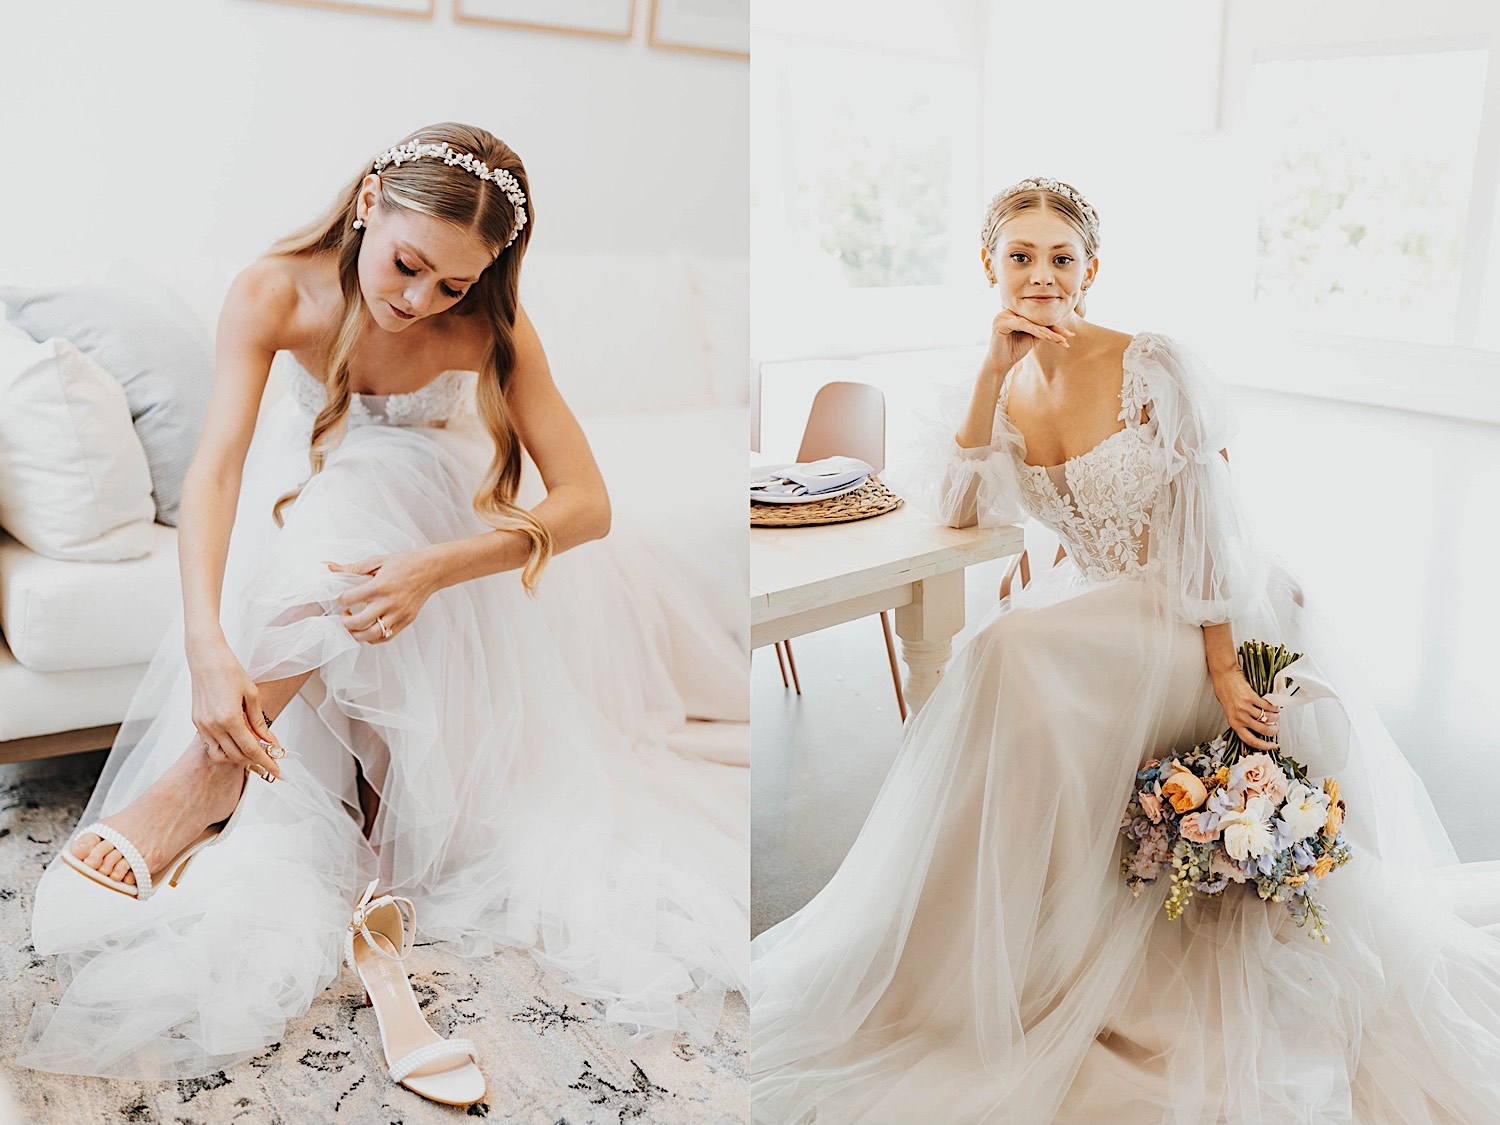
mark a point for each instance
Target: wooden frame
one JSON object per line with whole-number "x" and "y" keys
{"x": 656, "y": 38}
{"x": 560, "y": 28}
{"x": 412, "y": 10}
{"x": 56, "y": 745}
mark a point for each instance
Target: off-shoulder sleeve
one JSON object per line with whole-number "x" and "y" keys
{"x": 964, "y": 487}
{"x": 1209, "y": 564}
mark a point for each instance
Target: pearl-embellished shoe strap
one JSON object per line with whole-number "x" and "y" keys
{"x": 431, "y": 1053}
{"x": 128, "y": 850}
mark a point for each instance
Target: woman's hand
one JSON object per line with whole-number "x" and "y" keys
{"x": 1250, "y": 716}
{"x": 227, "y": 714}
{"x": 1012, "y": 336}
{"x": 399, "y": 585}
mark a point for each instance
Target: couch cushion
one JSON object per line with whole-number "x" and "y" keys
{"x": 165, "y": 368}
{"x": 69, "y": 615}
{"x": 36, "y": 703}
{"x": 73, "y": 478}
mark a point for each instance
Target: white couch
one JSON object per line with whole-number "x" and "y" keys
{"x": 652, "y": 352}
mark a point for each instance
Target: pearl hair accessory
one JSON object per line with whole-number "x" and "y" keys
{"x": 1044, "y": 183}
{"x": 500, "y": 177}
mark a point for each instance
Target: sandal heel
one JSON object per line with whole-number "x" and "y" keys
{"x": 379, "y": 937}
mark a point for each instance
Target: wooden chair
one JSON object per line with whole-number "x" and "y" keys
{"x": 846, "y": 420}
{"x": 1022, "y": 564}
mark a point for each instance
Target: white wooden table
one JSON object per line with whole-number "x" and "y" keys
{"x": 808, "y": 578}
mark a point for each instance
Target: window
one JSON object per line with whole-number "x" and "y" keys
{"x": 867, "y": 200}
{"x": 1364, "y": 208}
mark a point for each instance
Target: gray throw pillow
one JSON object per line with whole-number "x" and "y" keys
{"x": 164, "y": 368}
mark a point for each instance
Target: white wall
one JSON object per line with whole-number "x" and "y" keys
{"x": 208, "y": 128}
{"x": 1142, "y": 106}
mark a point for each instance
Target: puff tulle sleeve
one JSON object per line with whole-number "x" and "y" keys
{"x": 1206, "y": 560}
{"x": 965, "y": 487}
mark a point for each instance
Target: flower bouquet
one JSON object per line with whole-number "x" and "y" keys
{"x": 1221, "y": 813}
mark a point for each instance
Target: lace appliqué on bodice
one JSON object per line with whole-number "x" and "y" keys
{"x": 436, "y": 404}
{"x": 1099, "y": 503}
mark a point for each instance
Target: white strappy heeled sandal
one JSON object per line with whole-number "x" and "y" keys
{"x": 377, "y": 942}
{"x": 144, "y": 886}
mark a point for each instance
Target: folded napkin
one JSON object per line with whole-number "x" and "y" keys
{"x": 814, "y": 478}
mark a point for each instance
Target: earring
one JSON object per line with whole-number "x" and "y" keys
{"x": 359, "y": 224}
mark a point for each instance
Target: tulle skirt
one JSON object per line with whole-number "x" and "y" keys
{"x": 978, "y": 957}
{"x": 530, "y": 794}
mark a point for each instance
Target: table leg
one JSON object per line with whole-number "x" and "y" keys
{"x": 926, "y": 628}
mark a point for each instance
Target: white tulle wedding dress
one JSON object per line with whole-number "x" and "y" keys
{"x": 978, "y": 958}
{"x": 529, "y": 796}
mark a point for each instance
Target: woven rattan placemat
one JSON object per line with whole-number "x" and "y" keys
{"x": 872, "y": 498}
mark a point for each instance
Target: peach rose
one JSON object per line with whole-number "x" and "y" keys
{"x": 1323, "y": 866}
{"x": 1151, "y": 806}
{"x": 1259, "y": 776}
{"x": 1192, "y": 828}
{"x": 1335, "y": 808}
{"x": 1183, "y": 788}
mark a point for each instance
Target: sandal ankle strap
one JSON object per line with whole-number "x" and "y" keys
{"x": 359, "y": 923}
{"x": 448, "y": 1048}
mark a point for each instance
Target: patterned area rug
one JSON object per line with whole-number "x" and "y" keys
{"x": 548, "y": 1058}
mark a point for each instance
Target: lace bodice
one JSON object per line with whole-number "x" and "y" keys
{"x": 1154, "y": 498}
{"x": 1100, "y": 503}
{"x": 435, "y": 404}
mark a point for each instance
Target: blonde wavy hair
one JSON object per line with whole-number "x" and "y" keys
{"x": 459, "y": 197}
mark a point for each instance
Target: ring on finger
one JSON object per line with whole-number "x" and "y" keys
{"x": 385, "y": 630}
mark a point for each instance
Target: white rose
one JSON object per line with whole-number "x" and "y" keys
{"x": 1247, "y": 831}
{"x": 1305, "y": 811}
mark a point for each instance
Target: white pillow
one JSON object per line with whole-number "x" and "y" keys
{"x": 621, "y": 331}
{"x": 73, "y": 476}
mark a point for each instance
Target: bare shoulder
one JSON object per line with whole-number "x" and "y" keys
{"x": 1112, "y": 344}
{"x": 276, "y": 302}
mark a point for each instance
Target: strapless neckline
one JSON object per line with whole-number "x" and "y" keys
{"x": 434, "y": 403}
{"x": 449, "y": 375}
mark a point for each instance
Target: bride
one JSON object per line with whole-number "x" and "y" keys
{"x": 431, "y": 731}
{"x": 978, "y": 957}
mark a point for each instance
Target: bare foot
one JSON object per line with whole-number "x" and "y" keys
{"x": 193, "y": 794}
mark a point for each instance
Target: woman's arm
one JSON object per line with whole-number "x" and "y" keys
{"x": 258, "y": 297}
{"x": 1011, "y": 337}
{"x": 1242, "y": 707}
{"x": 576, "y": 508}
{"x": 226, "y": 707}
{"x": 957, "y": 497}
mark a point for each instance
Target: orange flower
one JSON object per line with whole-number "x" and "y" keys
{"x": 1335, "y": 822}
{"x": 1323, "y": 866}
{"x": 1184, "y": 789}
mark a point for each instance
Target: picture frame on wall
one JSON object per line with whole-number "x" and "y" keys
{"x": 704, "y": 27}
{"x": 600, "y": 19}
{"x": 411, "y": 9}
